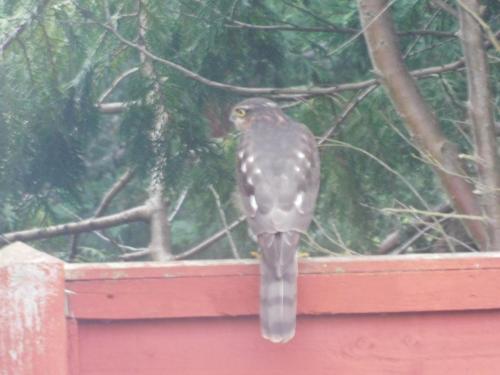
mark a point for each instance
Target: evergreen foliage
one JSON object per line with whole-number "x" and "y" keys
{"x": 59, "y": 154}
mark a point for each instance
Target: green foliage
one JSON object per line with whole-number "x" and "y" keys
{"x": 59, "y": 155}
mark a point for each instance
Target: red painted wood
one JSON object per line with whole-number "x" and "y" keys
{"x": 32, "y": 322}
{"x": 369, "y": 315}
{"x": 460, "y": 343}
{"x": 73, "y": 346}
{"x": 399, "y": 263}
{"x": 326, "y": 286}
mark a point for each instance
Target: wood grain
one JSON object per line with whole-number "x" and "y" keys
{"x": 32, "y": 321}
{"x": 326, "y": 286}
{"x": 457, "y": 343}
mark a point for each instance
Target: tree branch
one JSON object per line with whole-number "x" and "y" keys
{"x": 210, "y": 240}
{"x": 222, "y": 215}
{"x": 419, "y": 118}
{"x": 118, "y": 186}
{"x": 285, "y": 27}
{"x": 358, "y": 98}
{"x": 290, "y": 92}
{"x": 442, "y": 4}
{"x": 140, "y": 213}
{"x": 23, "y": 26}
{"x": 178, "y": 205}
{"x": 481, "y": 114}
{"x": 393, "y": 239}
{"x": 473, "y": 11}
{"x": 105, "y": 202}
{"x": 195, "y": 249}
{"x": 114, "y": 107}
{"x": 115, "y": 83}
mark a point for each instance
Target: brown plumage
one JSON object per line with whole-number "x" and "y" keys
{"x": 278, "y": 180}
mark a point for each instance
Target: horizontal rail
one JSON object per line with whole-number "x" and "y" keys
{"x": 344, "y": 285}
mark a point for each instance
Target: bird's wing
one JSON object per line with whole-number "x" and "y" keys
{"x": 278, "y": 177}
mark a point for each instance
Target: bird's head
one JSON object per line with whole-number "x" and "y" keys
{"x": 242, "y": 112}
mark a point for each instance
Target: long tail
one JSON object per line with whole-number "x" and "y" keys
{"x": 278, "y": 285}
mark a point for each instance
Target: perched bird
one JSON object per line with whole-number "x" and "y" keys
{"x": 278, "y": 180}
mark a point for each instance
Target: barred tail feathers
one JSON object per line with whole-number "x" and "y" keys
{"x": 278, "y": 285}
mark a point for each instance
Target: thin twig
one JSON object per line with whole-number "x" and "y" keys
{"x": 178, "y": 205}
{"x": 363, "y": 29}
{"x": 291, "y": 92}
{"x": 420, "y": 232}
{"x": 115, "y": 83}
{"x": 105, "y": 237}
{"x": 442, "y": 4}
{"x": 337, "y": 242}
{"x": 358, "y": 98}
{"x": 222, "y": 215}
{"x": 337, "y": 29}
{"x": 433, "y": 213}
{"x": 118, "y": 186}
{"x": 209, "y": 241}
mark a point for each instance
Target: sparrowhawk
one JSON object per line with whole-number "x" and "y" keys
{"x": 278, "y": 180}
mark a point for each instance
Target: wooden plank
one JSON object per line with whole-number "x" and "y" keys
{"x": 32, "y": 320}
{"x": 73, "y": 347}
{"x": 399, "y": 263}
{"x": 461, "y": 343}
{"x": 325, "y": 287}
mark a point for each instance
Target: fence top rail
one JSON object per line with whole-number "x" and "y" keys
{"x": 308, "y": 266}
{"x": 345, "y": 285}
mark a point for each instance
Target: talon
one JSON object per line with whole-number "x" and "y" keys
{"x": 303, "y": 254}
{"x": 255, "y": 254}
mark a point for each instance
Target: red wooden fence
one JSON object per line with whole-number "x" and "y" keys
{"x": 427, "y": 314}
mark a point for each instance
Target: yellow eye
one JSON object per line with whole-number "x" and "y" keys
{"x": 240, "y": 112}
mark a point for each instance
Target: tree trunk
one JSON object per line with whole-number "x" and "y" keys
{"x": 159, "y": 245}
{"x": 419, "y": 119}
{"x": 481, "y": 116}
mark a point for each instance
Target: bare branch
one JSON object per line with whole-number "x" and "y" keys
{"x": 393, "y": 239}
{"x": 104, "y": 237}
{"x": 319, "y": 18}
{"x": 140, "y": 213}
{"x": 473, "y": 10}
{"x": 178, "y": 205}
{"x": 450, "y": 215}
{"x": 243, "y": 25}
{"x": 418, "y": 116}
{"x": 282, "y": 92}
{"x": 337, "y": 29}
{"x": 106, "y": 200}
{"x": 339, "y": 242}
{"x": 481, "y": 114}
{"x": 23, "y": 26}
{"x": 442, "y": 4}
{"x": 114, "y": 190}
{"x": 115, "y": 83}
{"x": 347, "y": 110}
{"x": 114, "y": 107}
{"x": 143, "y": 253}
{"x": 194, "y": 250}
{"x": 222, "y": 215}
{"x": 210, "y": 240}
{"x": 419, "y": 233}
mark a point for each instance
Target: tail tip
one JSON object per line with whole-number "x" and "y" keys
{"x": 279, "y": 338}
